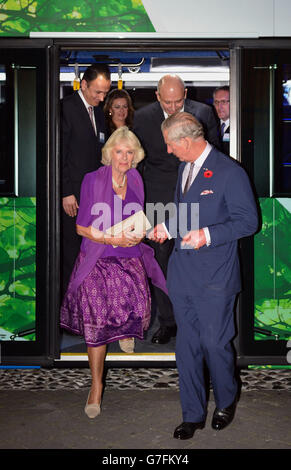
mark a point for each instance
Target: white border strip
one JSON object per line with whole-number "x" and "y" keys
{"x": 149, "y": 77}
{"x": 121, "y": 357}
{"x": 124, "y": 35}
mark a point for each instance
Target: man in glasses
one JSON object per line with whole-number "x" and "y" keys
{"x": 221, "y": 104}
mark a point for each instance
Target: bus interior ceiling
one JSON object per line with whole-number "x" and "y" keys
{"x": 201, "y": 70}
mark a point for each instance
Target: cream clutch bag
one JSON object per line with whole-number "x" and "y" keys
{"x": 138, "y": 221}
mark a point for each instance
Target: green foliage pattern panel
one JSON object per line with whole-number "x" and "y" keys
{"x": 17, "y": 267}
{"x": 273, "y": 271}
{"x": 20, "y": 17}
{"x": 272, "y": 317}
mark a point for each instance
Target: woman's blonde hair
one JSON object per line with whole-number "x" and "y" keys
{"x": 125, "y": 135}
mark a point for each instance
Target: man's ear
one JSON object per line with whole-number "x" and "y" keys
{"x": 157, "y": 95}
{"x": 186, "y": 142}
{"x": 185, "y": 93}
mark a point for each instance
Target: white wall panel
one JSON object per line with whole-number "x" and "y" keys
{"x": 211, "y": 18}
{"x": 282, "y": 18}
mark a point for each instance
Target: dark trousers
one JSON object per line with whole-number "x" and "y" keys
{"x": 162, "y": 255}
{"x": 70, "y": 247}
{"x": 205, "y": 328}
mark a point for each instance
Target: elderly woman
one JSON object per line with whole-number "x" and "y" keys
{"x": 108, "y": 297}
{"x": 118, "y": 110}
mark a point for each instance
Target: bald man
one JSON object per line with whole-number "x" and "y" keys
{"x": 160, "y": 171}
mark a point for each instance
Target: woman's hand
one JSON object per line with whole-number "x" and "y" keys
{"x": 134, "y": 238}
{"x": 126, "y": 239}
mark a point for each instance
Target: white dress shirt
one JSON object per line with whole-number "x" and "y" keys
{"x": 87, "y": 105}
{"x": 197, "y": 167}
{"x": 225, "y": 136}
{"x": 167, "y": 115}
{"x": 226, "y": 124}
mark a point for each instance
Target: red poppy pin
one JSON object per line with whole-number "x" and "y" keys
{"x": 207, "y": 173}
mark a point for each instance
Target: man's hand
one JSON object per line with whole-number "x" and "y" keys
{"x": 158, "y": 234}
{"x": 195, "y": 238}
{"x": 70, "y": 205}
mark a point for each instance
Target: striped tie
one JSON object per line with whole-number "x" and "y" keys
{"x": 189, "y": 179}
{"x": 222, "y": 129}
{"x": 90, "y": 109}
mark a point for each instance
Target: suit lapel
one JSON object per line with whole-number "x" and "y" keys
{"x": 101, "y": 137}
{"x": 180, "y": 195}
{"x": 85, "y": 115}
{"x": 158, "y": 114}
{"x": 201, "y": 181}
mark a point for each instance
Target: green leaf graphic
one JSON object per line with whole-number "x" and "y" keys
{"x": 17, "y": 264}
{"x": 273, "y": 272}
{"x": 22, "y": 17}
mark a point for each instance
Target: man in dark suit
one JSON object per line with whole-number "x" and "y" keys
{"x": 221, "y": 104}
{"x": 83, "y": 135}
{"x": 160, "y": 171}
{"x": 215, "y": 208}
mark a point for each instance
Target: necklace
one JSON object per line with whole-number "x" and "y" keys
{"x": 119, "y": 185}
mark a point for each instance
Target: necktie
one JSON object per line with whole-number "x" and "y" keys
{"x": 222, "y": 129}
{"x": 90, "y": 109}
{"x": 189, "y": 179}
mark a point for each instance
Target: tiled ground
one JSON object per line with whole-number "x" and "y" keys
{"x": 130, "y": 378}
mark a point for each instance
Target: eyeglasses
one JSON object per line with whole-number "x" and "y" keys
{"x": 223, "y": 102}
{"x": 118, "y": 106}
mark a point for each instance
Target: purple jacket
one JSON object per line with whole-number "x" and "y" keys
{"x": 97, "y": 187}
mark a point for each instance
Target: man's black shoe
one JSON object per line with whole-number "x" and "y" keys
{"x": 223, "y": 417}
{"x": 186, "y": 430}
{"x": 164, "y": 334}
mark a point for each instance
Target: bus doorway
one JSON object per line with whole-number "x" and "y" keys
{"x": 138, "y": 72}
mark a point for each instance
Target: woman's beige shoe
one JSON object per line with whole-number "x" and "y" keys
{"x": 127, "y": 345}
{"x": 93, "y": 409}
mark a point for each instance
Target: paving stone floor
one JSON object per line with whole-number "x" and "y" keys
{"x": 42, "y": 409}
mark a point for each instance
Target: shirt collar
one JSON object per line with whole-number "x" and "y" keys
{"x": 225, "y": 122}
{"x": 167, "y": 115}
{"x": 83, "y": 99}
{"x": 201, "y": 159}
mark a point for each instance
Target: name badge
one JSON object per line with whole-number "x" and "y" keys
{"x": 225, "y": 137}
{"x": 102, "y": 137}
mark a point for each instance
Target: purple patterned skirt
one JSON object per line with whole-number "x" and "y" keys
{"x": 113, "y": 302}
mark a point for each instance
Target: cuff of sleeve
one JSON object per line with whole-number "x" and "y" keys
{"x": 167, "y": 231}
{"x": 207, "y": 236}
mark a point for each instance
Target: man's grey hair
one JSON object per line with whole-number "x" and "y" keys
{"x": 165, "y": 77}
{"x": 180, "y": 125}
